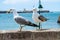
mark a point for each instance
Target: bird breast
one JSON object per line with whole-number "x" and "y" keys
{"x": 35, "y": 18}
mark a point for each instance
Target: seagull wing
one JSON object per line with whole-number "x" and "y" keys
{"x": 42, "y": 18}
{"x": 23, "y": 21}
{"x": 20, "y": 20}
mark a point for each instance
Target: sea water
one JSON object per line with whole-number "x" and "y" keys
{"x": 7, "y": 21}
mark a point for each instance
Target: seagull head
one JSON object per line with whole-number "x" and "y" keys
{"x": 34, "y": 10}
{"x": 11, "y": 11}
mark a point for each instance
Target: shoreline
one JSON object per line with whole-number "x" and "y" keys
{"x": 42, "y": 30}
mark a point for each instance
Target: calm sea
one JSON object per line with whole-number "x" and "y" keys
{"x": 7, "y": 22}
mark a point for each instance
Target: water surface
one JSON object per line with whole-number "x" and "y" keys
{"x": 7, "y": 22}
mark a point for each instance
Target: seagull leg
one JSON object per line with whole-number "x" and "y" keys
{"x": 21, "y": 26}
{"x": 37, "y": 27}
{"x": 40, "y": 26}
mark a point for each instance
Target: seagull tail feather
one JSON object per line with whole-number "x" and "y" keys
{"x": 32, "y": 24}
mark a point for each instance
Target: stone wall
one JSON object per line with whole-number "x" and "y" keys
{"x": 28, "y": 35}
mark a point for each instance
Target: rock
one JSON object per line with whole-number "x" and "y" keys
{"x": 58, "y": 20}
{"x": 50, "y": 34}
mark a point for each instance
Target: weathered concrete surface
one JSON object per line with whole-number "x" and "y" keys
{"x": 30, "y": 35}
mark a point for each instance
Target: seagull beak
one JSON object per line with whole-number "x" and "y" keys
{"x": 8, "y": 11}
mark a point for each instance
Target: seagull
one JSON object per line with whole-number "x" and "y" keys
{"x": 37, "y": 17}
{"x": 21, "y": 20}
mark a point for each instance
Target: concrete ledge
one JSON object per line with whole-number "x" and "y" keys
{"x": 31, "y": 35}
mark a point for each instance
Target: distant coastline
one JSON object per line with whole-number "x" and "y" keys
{"x": 43, "y": 11}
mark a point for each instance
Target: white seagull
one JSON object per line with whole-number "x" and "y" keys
{"x": 37, "y": 17}
{"x": 21, "y": 20}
